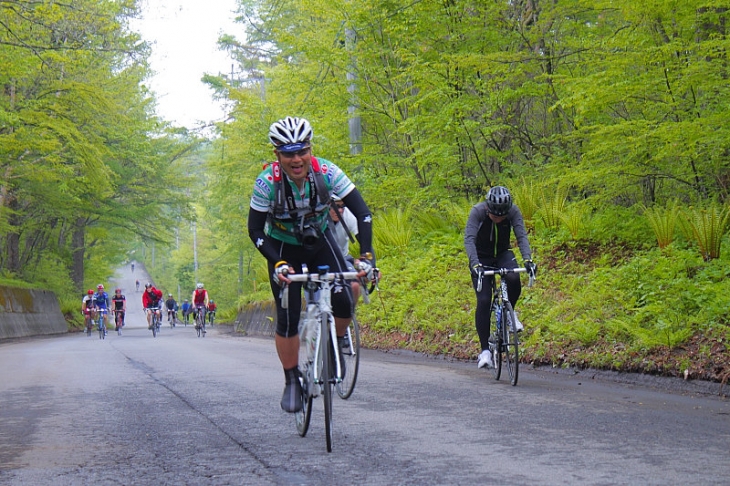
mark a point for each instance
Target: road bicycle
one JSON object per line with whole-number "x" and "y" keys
{"x": 155, "y": 321}
{"x": 119, "y": 321}
{"x": 171, "y": 317}
{"x": 504, "y": 342}
{"x": 101, "y": 327}
{"x": 211, "y": 317}
{"x": 90, "y": 320}
{"x": 200, "y": 321}
{"x": 319, "y": 361}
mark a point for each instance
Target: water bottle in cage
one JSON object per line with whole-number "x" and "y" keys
{"x": 310, "y": 332}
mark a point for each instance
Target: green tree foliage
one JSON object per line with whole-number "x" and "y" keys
{"x": 84, "y": 161}
{"x": 590, "y": 111}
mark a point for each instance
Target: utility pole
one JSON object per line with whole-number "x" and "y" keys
{"x": 195, "y": 250}
{"x": 354, "y": 121}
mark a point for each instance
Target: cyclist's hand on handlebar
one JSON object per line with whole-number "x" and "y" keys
{"x": 281, "y": 270}
{"x": 477, "y": 269}
{"x": 531, "y": 268}
{"x": 365, "y": 266}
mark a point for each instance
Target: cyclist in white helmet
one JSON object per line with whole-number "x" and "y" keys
{"x": 288, "y": 224}
{"x": 199, "y": 300}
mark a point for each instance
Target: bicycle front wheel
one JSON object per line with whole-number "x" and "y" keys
{"x": 154, "y": 325}
{"x": 350, "y": 351}
{"x": 307, "y": 368}
{"x": 495, "y": 344}
{"x": 511, "y": 344}
{"x": 327, "y": 378}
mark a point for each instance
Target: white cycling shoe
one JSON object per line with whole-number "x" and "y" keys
{"x": 485, "y": 359}
{"x": 518, "y": 325}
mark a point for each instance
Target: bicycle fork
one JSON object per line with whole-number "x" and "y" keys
{"x": 319, "y": 353}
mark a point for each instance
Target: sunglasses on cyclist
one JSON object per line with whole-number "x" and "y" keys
{"x": 299, "y": 153}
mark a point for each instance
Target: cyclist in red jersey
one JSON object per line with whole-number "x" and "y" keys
{"x": 200, "y": 300}
{"x": 212, "y": 306}
{"x": 151, "y": 298}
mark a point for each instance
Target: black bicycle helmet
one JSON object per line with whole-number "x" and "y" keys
{"x": 499, "y": 201}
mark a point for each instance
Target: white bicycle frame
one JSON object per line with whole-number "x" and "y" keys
{"x": 319, "y": 304}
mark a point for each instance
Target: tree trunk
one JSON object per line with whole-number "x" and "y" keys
{"x": 77, "y": 250}
{"x": 12, "y": 240}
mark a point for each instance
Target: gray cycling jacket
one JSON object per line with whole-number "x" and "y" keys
{"x": 484, "y": 239}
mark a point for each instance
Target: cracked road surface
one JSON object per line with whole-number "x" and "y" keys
{"x": 178, "y": 409}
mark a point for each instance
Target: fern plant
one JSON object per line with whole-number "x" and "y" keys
{"x": 526, "y": 197}
{"x": 394, "y": 230}
{"x": 552, "y": 208}
{"x": 663, "y": 222}
{"x": 574, "y": 219}
{"x": 708, "y": 227}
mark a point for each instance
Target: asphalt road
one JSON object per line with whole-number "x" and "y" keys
{"x": 178, "y": 409}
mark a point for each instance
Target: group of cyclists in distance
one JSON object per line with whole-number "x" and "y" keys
{"x": 97, "y": 302}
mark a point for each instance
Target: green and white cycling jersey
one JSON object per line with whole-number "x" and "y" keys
{"x": 282, "y": 226}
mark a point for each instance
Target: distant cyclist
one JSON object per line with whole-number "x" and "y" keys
{"x": 200, "y": 300}
{"x": 151, "y": 299}
{"x": 132, "y": 267}
{"x": 186, "y": 309}
{"x": 171, "y": 307}
{"x": 119, "y": 305}
{"x": 212, "y": 306}
{"x": 136, "y": 284}
{"x": 101, "y": 302}
{"x": 87, "y": 308}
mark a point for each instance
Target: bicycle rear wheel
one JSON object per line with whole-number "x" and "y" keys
{"x": 198, "y": 325}
{"x": 328, "y": 382}
{"x": 350, "y": 352}
{"x": 495, "y": 345}
{"x": 511, "y": 344}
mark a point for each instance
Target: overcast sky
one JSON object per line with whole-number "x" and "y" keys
{"x": 183, "y": 34}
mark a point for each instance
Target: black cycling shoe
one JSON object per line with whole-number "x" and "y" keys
{"x": 291, "y": 400}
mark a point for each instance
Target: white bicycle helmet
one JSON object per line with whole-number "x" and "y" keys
{"x": 200, "y": 285}
{"x": 290, "y": 134}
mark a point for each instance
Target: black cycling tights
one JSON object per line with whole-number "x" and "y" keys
{"x": 483, "y": 312}
{"x": 327, "y": 253}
